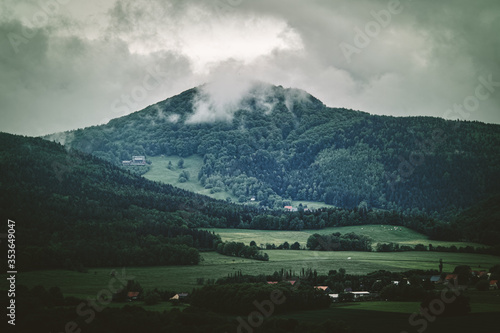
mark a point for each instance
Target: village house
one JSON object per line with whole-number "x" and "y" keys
{"x": 435, "y": 278}
{"x": 292, "y": 282}
{"x": 136, "y": 160}
{"x": 179, "y": 296}
{"x": 360, "y": 294}
{"x": 479, "y": 273}
{"x": 494, "y": 284}
{"x": 133, "y": 296}
{"x": 326, "y": 289}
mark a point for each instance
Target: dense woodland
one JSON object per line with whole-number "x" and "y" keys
{"x": 74, "y": 209}
{"x": 285, "y": 144}
{"x": 239, "y": 249}
{"x": 339, "y": 242}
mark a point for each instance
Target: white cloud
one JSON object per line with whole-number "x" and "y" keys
{"x": 90, "y": 54}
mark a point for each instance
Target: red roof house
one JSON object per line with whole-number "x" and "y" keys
{"x": 133, "y": 295}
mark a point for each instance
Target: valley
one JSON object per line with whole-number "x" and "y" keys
{"x": 282, "y": 171}
{"x": 215, "y": 266}
{"x": 378, "y": 233}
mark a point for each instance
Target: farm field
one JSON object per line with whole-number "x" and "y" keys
{"x": 379, "y": 234}
{"x": 214, "y": 265}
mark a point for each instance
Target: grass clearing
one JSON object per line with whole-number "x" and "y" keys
{"x": 312, "y": 204}
{"x": 379, "y": 234}
{"x": 161, "y": 173}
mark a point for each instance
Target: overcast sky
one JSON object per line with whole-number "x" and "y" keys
{"x": 67, "y": 64}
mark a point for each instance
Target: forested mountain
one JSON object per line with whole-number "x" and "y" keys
{"x": 278, "y": 143}
{"x": 73, "y": 209}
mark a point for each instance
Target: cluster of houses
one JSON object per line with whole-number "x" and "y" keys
{"x": 366, "y": 295}
{"x": 451, "y": 278}
{"x": 136, "y": 160}
{"x": 356, "y": 295}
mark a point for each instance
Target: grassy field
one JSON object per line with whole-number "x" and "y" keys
{"x": 159, "y": 172}
{"x": 379, "y": 233}
{"x": 375, "y": 316}
{"x": 311, "y": 204}
{"x": 214, "y": 265}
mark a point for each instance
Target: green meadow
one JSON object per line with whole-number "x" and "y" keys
{"x": 160, "y": 172}
{"x": 214, "y": 265}
{"x": 379, "y": 234}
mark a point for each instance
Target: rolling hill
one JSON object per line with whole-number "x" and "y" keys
{"x": 278, "y": 145}
{"x": 73, "y": 209}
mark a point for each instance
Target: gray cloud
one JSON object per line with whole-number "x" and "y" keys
{"x": 88, "y": 63}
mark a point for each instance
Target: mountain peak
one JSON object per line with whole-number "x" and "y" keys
{"x": 220, "y": 100}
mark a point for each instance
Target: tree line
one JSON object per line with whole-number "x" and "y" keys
{"x": 239, "y": 249}
{"x": 339, "y": 242}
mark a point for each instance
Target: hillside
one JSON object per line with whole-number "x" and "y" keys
{"x": 74, "y": 210}
{"x": 278, "y": 144}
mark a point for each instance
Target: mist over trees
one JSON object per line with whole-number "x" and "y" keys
{"x": 278, "y": 148}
